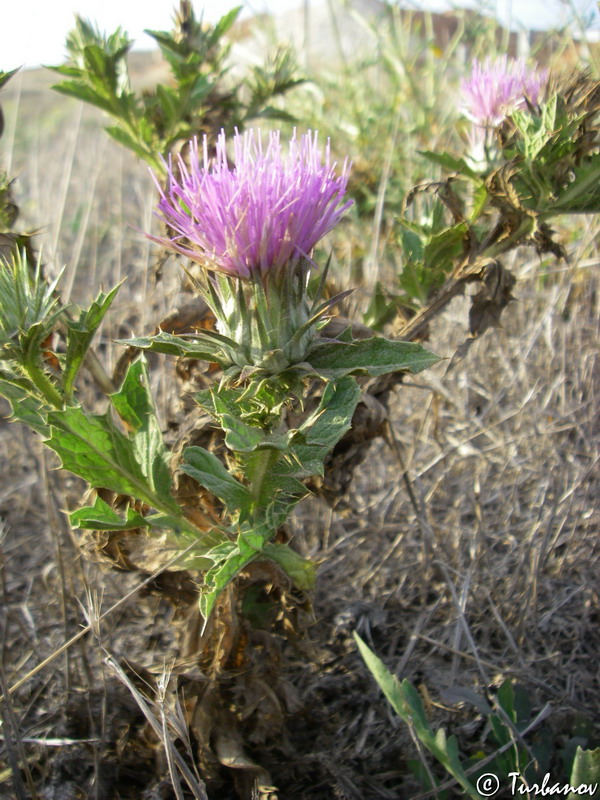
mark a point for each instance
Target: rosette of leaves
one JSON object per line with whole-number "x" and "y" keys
{"x": 200, "y": 98}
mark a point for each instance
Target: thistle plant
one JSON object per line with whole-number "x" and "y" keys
{"x": 285, "y": 396}
{"x": 199, "y": 97}
{"x": 539, "y": 158}
{"x": 251, "y": 227}
{"x": 273, "y": 207}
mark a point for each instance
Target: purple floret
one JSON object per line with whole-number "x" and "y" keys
{"x": 497, "y": 88}
{"x": 264, "y": 213}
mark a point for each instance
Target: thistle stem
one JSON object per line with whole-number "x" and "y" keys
{"x": 524, "y": 229}
{"x": 265, "y": 459}
{"x": 44, "y": 385}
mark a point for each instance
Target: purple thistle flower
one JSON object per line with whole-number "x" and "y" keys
{"x": 265, "y": 213}
{"x": 497, "y": 88}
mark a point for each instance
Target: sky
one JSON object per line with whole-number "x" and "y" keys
{"x": 32, "y": 32}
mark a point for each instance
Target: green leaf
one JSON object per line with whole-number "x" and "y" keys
{"x": 80, "y": 334}
{"x": 200, "y": 90}
{"x": 31, "y": 342}
{"x": 25, "y": 407}
{"x": 97, "y": 62}
{"x": 586, "y": 770}
{"x": 135, "y": 408}
{"x": 443, "y": 247}
{"x": 102, "y": 517}
{"x": 206, "y": 349}
{"x": 6, "y": 76}
{"x": 318, "y": 435}
{"x": 449, "y": 162}
{"x": 375, "y": 356}
{"x": 382, "y": 308}
{"x": 95, "y": 449}
{"x": 480, "y": 197}
{"x": 175, "y": 536}
{"x": 582, "y": 194}
{"x": 302, "y": 571}
{"x": 82, "y": 92}
{"x": 239, "y": 437}
{"x": 230, "y": 558}
{"x": 407, "y": 703}
{"x": 271, "y": 112}
{"x": 225, "y": 23}
{"x": 169, "y": 102}
{"x": 333, "y": 416}
{"x": 210, "y": 473}
{"x": 125, "y": 138}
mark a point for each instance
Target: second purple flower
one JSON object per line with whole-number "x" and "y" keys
{"x": 498, "y": 87}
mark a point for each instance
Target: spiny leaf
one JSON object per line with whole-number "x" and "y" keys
{"x": 375, "y": 356}
{"x": 210, "y": 473}
{"x": 301, "y": 570}
{"x": 449, "y": 162}
{"x": 134, "y": 405}
{"x": 318, "y": 436}
{"x": 443, "y": 247}
{"x": 6, "y": 76}
{"x": 134, "y": 144}
{"x": 205, "y": 349}
{"x": 80, "y": 334}
{"x": 93, "y": 448}
{"x": 82, "y": 92}
{"x": 102, "y": 517}
{"x": 230, "y": 559}
{"x": 25, "y": 407}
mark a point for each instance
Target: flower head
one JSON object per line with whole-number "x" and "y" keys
{"x": 264, "y": 213}
{"x": 497, "y": 88}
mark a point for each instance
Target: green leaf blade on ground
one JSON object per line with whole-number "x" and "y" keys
{"x": 407, "y": 703}
{"x": 585, "y": 770}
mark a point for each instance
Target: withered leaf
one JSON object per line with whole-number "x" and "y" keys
{"x": 493, "y": 297}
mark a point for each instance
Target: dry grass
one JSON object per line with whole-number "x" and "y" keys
{"x": 486, "y": 568}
